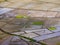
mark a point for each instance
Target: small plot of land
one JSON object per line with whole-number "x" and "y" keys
{"x": 3, "y": 36}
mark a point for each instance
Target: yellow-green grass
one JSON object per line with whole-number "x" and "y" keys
{"x": 52, "y": 28}
{"x": 38, "y": 23}
{"x": 21, "y": 16}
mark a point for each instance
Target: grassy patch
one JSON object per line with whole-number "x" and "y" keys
{"x": 38, "y": 23}
{"x": 52, "y": 28}
{"x": 21, "y": 16}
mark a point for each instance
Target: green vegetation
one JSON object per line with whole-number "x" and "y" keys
{"x": 52, "y": 28}
{"x": 21, "y": 16}
{"x": 38, "y": 23}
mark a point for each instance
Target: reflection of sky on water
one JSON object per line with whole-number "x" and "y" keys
{"x": 4, "y": 10}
